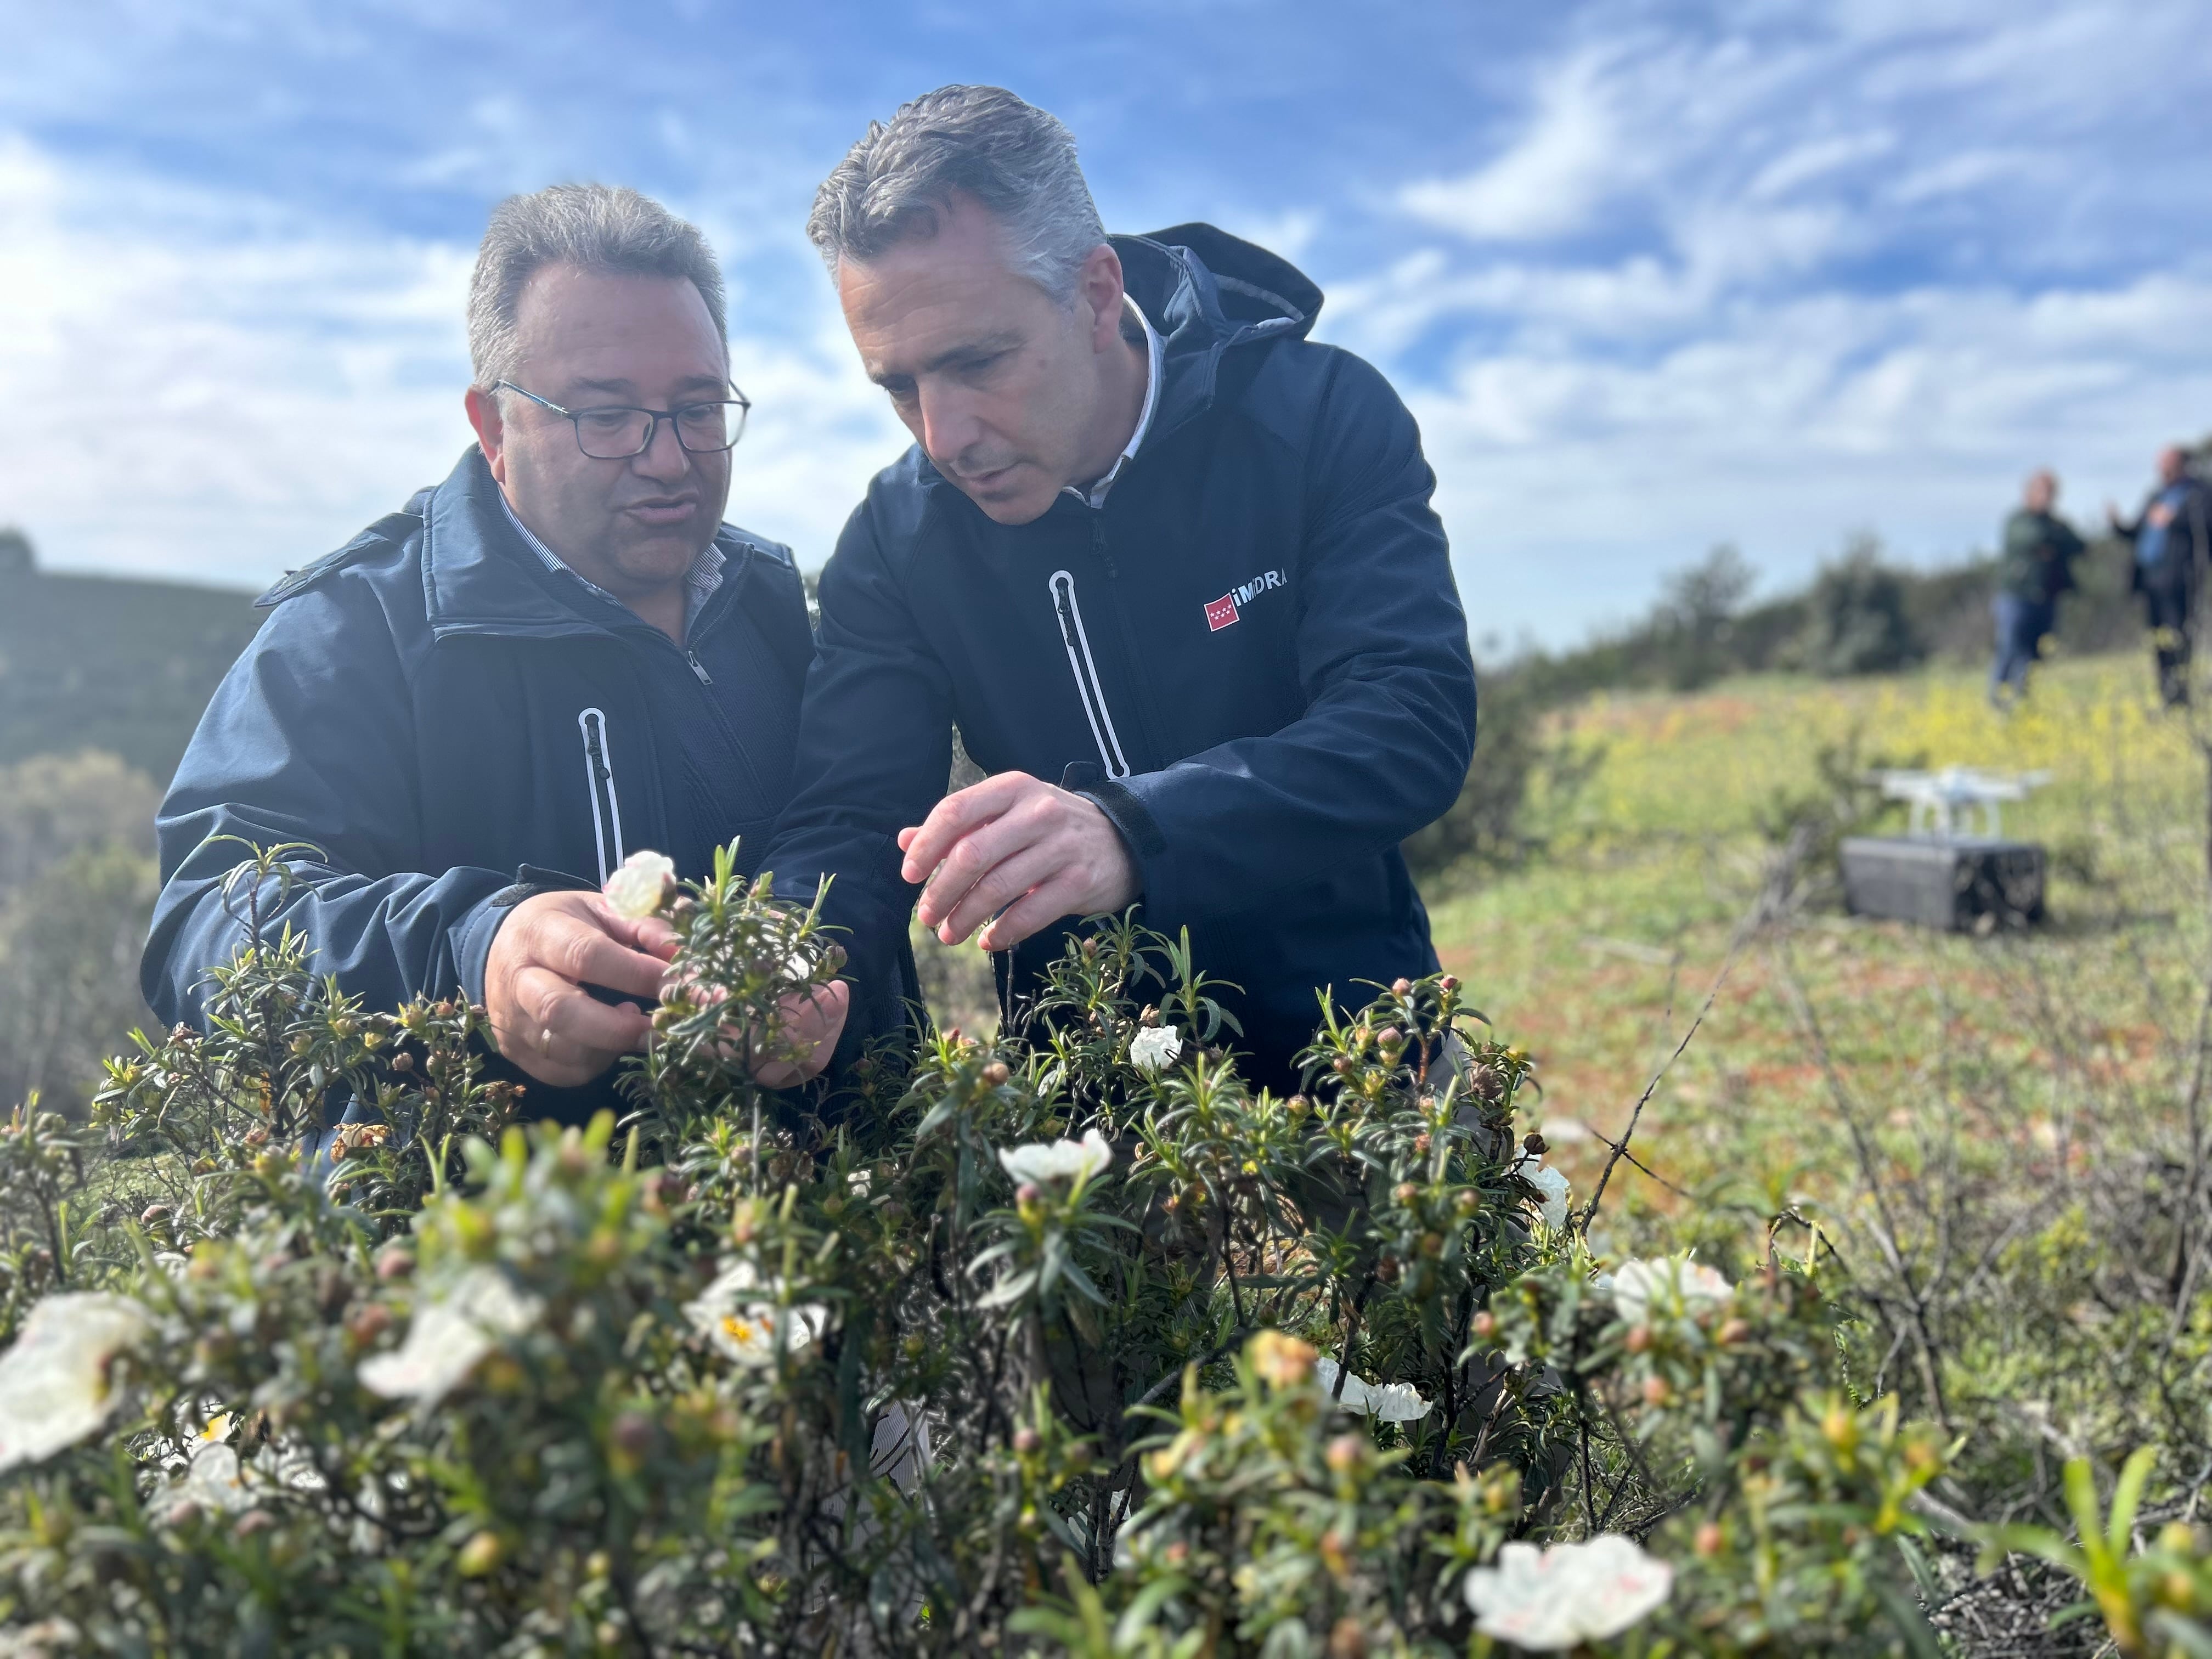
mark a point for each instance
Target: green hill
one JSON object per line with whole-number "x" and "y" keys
{"x": 104, "y": 662}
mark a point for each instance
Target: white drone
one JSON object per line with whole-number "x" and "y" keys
{"x": 1941, "y": 800}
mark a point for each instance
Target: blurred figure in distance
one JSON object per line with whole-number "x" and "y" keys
{"x": 2172, "y": 536}
{"x": 2035, "y": 566}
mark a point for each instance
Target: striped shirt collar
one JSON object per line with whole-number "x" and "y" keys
{"x": 699, "y": 581}
{"x": 1095, "y": 498}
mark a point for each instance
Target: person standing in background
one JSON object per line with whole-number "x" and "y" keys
{"x": 2172, "y": 537}
{"x": 2036, "y": 566}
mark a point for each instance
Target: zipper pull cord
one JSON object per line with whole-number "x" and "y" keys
{"x": 697, "y": 667}
{"x": 1098, "y": 546}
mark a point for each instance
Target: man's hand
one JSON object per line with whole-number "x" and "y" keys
{"x": 549, "y": 947}
{"x": 1019, "y": 848}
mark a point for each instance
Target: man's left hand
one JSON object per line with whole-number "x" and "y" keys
{"x": 1019, "y": 848}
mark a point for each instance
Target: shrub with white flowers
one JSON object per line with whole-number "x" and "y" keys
{"x": 1066, "y": 1341}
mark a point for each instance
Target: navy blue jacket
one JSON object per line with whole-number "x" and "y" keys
{"x": 435, "y": 709}
{"x": 1252, "y": 656}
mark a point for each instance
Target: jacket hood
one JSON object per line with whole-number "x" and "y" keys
{"x": 1209, "y": 293}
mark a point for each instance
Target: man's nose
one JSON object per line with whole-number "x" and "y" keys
{"x": 949, "y": 426}
{"x": 663, "y": 457}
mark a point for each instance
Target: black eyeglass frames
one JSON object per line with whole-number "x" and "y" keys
{"x": 614, "y": 433}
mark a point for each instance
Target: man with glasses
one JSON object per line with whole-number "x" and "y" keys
{"x": 459, "y": 724}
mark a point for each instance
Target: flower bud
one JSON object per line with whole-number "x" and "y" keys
{"x": 633, "y": 1433}
{"x": 253, "y": 1521}
{"x": 1344, "y": 1453}
{"x": 1401, "y": 987}
{"x": 1484, "y": 1325}
{"x": 1535, "y": 1144}
{"x": 1735, "y": 1331}
{"x": 1709, "y": 1540}
{"x": 1638, "y": 1338}
{"x": 1027, "y": 1441}
{"x": 1655, "y": 1391}
{"x": 367, "y": 1322}
{"x": 480, "y": 1555}
{"x": 996, "y": 1074}
{"x": 1406, "y": 1192}
{"x": 1449, "y": 983}
{"x": 395, "y": 1262}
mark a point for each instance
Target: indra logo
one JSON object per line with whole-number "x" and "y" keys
{"x": 1221, "y": 612}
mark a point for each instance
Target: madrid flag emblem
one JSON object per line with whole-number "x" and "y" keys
{"x": 1220, "y": 613}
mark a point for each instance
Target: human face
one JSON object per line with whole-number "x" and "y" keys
{"x": 633, "y": 527}
{"x": 2042, "y": 491}
{"x": 2171, "y": 465}
{"x": 1011, "y": 395}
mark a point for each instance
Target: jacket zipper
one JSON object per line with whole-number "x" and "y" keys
{"x": 1087, "y": 687}
{"x": 599, "y": 779}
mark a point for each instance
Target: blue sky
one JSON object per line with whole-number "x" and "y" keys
{"x": 1652, "y": 276}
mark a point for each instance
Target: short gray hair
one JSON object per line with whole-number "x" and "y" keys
{"x": 607, "y": 228}
{"x": 1013, "y": 158}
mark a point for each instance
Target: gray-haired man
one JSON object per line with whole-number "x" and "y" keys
{"x": 1169, "y": 565}
{"x": 472, "y": 710}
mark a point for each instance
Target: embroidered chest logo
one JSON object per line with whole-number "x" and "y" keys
{"x": 1230, "y": 607}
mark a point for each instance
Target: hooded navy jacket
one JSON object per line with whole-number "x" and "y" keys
{"x": 1252, "y": 656}
{"x": 436, "y": 709}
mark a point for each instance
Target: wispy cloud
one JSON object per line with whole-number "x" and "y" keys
{"x": 1553, "y": 176}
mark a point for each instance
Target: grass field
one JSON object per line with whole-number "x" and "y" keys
{"x": 1596, "y": 954}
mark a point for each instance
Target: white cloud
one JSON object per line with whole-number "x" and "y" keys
{"x": 195, "y": 385}
{"x": 1549, "y": 180}
{"x": 1782, "y": 426}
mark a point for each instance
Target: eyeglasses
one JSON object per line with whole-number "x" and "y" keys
{"x": 616, "y": 433}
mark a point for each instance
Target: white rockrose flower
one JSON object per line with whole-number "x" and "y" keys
{"x": 742, "y": 1323}
{"x": 1155, "y": 1048}
{"x": 1552, "y": 1188}
{"x": 1387, "y": 1403}
{"x": 214, "y": 1481}
{"x": 1395, "y": 1402}
{"x": 55, "y": 1387}
{"x": 1058, "y": 1160}
{"x": 642, "y": 886}
{"x": 448, "y": 1335}
{"x": 1552, "y": 1600}
{"x": 1637, "y": 1283}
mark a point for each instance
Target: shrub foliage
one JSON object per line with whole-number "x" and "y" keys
{"x": 1065, "y": 1341}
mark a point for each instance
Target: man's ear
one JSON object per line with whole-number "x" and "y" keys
{"x": 491, "y": 432}
{"x": 1099, "y": 285}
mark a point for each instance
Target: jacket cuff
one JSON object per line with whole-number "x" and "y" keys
{"x": 473, "y": 937}
{"x": 1125, "y": 810}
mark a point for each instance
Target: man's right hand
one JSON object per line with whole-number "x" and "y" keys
{"x": 547, "y": 950}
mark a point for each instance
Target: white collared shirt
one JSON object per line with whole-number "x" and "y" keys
{"x": 699, "y": 581}
{"x": 1095, "y": 498}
